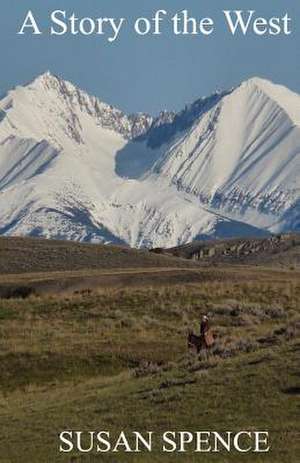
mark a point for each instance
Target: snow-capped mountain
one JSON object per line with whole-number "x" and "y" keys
{"x": 73, "y": 167}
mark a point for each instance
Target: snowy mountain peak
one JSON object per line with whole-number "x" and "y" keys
{"x": 286, "y": 99}
{"x": 74, "y": 167}
{"x": 45, "y": 78}
{"x": 49, "y": 95}
{"x": 256, "y": 81}
{"x": 45, "y": 82}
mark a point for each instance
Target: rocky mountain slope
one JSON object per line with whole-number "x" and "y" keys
{"x": 280, "y": 250}
{"x": 72, "y": 167}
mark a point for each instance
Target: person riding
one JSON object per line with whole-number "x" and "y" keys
{"x": 204, "y": 327}
{"x": 206, "y": 338}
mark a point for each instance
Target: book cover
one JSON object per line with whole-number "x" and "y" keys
{"x": 149, "y": 231}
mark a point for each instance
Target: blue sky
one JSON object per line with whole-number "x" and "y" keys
{"x": 148, "y": 73}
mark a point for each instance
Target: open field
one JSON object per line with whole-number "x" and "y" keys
{"x": 112, "y": 355}
{"x": 31, "y": 266}
{"x": 58, "y": 283}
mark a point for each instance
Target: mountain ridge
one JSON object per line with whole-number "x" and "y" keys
{"x": 75, "y": 168}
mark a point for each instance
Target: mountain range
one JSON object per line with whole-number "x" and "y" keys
{"x": 73, "y": 167}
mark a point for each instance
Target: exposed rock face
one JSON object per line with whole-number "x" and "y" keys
{"x": 236, "y": 250}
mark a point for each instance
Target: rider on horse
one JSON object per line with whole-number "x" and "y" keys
{"x": 204, "y": 327}
{"x": 205, "y": 333}
{"x": 206, "y": 338}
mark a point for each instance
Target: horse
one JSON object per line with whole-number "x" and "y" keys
{"x": 195, "y": 342}
{"x": 199, "y": 342}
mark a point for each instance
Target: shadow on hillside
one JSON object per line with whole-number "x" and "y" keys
{"x": 140, "y": 154}
{"x": 135, "y": 159}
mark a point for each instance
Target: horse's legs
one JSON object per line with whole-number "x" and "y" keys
{"x": 205, "y": 352}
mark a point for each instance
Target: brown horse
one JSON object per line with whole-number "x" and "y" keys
{"x": 199, "y": 343}
{"x": 195, "y": 342}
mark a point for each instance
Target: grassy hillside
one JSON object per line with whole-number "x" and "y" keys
{"x": 33, "y": 255}
{"x": 40, "y": 267}
{"x": 116, "y": 359}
